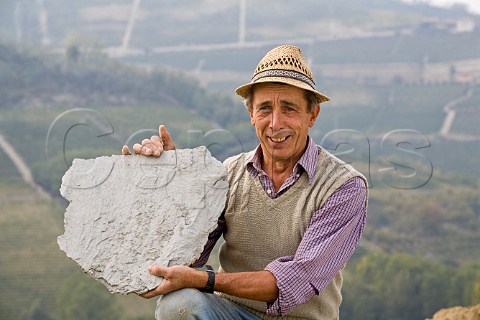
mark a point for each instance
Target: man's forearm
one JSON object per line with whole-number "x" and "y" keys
{"x": 260, "y": 285}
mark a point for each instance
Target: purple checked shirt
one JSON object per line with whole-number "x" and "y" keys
{"x": 329, "y": 241}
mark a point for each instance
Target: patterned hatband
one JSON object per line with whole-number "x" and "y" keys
{"x": 284, "y": 74}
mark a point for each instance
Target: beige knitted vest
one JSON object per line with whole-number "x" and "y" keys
{"x": 261, "y": 229}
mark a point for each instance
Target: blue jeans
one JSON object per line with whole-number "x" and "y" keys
{"x": 193, "y": 304}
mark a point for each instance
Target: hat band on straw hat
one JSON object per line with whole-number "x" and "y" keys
{"x": 284, "y": 74}
{"x": 284, "y": 64}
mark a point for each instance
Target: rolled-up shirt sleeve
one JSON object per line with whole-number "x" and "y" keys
{"x": 329, "y": 241}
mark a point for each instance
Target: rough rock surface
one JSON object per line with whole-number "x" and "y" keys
{"x": 458, "y": 313}
{"x": 128, "y": 212}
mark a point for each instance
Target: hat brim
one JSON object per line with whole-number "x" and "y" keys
{"x": 243, "y": 90}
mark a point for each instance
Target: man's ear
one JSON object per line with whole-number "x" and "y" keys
{"x": 252, "y": 119}
{"x": 314, "y": 114}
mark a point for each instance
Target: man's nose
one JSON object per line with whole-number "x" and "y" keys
{"x": 277, "y": 120}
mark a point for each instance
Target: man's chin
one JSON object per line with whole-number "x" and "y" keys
{"x": 280, "y": 156}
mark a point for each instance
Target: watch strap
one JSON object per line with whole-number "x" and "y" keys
{"x": 211, "y": 280}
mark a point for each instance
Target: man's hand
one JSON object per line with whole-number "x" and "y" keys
{"x": 153, "y": 146}
{"x": 174, "y": 278}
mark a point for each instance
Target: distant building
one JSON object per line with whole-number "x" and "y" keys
{"x": 453, "y": 26}
{"x": 465, "y": 25}
{"x": 465, "y": 77}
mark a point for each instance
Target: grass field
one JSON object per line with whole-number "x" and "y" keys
{"x": 32, "y": 266}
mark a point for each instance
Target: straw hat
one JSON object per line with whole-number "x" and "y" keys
{"x": 285, "y": 64}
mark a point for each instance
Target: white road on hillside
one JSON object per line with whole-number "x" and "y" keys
{"x": 21, "y": 166}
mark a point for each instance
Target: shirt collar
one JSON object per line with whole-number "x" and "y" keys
{"x": 307, "y": 162}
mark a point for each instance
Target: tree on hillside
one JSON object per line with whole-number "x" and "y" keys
{"x": 405, "y": 287}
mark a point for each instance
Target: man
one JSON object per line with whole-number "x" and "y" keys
{"x": 293, "y": 217}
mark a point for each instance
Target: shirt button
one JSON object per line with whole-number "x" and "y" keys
{"x": 269, "y": 191}
{"x": 297, "y": 175}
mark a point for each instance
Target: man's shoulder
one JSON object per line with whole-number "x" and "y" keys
{"x": 327, "y": 159}
{"x": 239, "y": 159}
{"x": 324, "y": 156}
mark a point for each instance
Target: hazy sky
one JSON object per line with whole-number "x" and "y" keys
{"x": 472, "y": 5}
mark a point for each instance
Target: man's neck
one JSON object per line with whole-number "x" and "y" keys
{"x": 278, "y": 170}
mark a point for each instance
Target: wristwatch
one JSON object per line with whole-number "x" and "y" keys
{"x": 211, "y": 280}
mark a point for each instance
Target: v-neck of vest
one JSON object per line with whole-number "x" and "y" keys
{"x": 302, "y": 181}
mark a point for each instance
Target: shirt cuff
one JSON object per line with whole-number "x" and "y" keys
{"x": 288, "y": 299}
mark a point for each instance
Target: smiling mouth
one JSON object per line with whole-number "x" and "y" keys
{"x": 281, "y": 139}
{"x": 280, "y": 135}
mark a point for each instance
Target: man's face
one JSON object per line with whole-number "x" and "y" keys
{"x": 281, "y": 121}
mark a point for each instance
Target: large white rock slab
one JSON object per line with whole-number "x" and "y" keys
{"x": 128, "y": 212}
